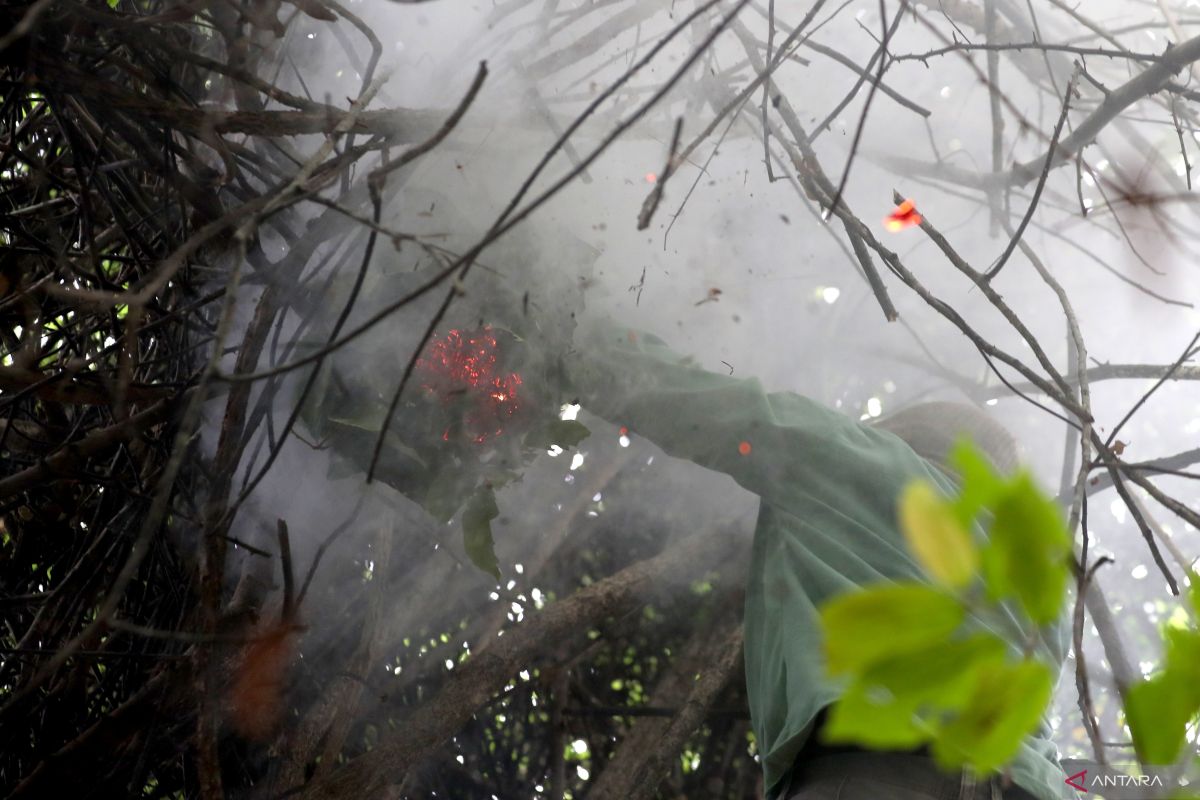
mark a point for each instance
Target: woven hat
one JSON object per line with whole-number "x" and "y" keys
{"x": 932, "y": 429}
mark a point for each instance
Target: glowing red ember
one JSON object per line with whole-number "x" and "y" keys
{"x": 462, "y": 368}
{"x": 903, "y": 216}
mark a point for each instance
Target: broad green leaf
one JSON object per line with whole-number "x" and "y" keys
{"x": 941, "y": 544}
{"x": 896, "y": 703}
{"x": 862, "y": 627}
{"x": 940, "y": 674}
{"x": 395, "y": 450}
{"x": 1005, "y": 705}
{"x": 872, "y": 719}
{"x": 980, "y": 485}
{"x": 1028, "y": 551}
{"x": 562, "y": 432}
{"x": 1183, "y": 654}
{"x": 1157, "y": 717}
{"x": 477, "y": 518}
{"x": 1182, "y": 672}
{"x": 445, "y": 494}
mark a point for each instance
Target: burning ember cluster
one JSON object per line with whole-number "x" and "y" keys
{"x": 462, "y": 369}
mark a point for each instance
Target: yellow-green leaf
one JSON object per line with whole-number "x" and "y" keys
{"x": 940, "y": 674}
{"x": 865, "y": 626}
{"x": 1158, "y": 717}
{"x": 943, "y": 547}
{"x": 1029, "y": 550}
{"x": 872, "y": 719}
{"x": 980, "y": 483}
{"x": 899, "y": 701}
{"x": 1005, "y": 706}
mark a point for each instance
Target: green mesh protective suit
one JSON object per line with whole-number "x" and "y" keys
{"x": 827, "y": 522}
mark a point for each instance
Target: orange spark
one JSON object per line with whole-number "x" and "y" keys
{"x": 903, "y": 216}
{"x": 651, "y": 177}
{"x": 744, "y": 448}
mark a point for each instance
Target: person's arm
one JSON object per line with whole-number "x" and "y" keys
{"x": 773, "y": 444}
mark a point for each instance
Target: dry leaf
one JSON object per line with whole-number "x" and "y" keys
{"x": 256, "y": 694}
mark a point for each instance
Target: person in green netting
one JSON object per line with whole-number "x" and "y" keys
{"x": 827, "y": 524}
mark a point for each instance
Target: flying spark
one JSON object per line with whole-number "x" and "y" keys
{"x": 903, "y": 216}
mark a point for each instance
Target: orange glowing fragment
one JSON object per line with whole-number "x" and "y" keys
{"x": 651, "y": 177}
{"x": 624, "y": 431}
{"x": 903, "y": 216}
{"x": 744, "y": 448}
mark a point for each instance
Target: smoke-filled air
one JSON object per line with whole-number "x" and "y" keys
{"x": 599, "y": 399}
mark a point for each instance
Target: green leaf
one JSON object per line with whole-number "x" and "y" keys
{"x": 1157, "y": 716}
{"x": 869, "y": 717}
{"x": 942, "y": 545}
{"x": 1027, "y": 554}
{"x": 395, "y": 450}
{"x": 940, "y": 674}
{"x": 1183, "y": 656}
{"x": 980, "y": 484}
{"x": 1159, "y": 709}
{"x": 897, "y": 702}
{"x": 477, "y": 518}
{"x": 562, "y": 432}
{"x": 1005, "y": 705}
{"x": 865, "y": 626}
{"x": 445, "y": 495}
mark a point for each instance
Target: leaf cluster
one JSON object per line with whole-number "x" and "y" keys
{"x": 1159, "y": 709}
{"x": 918, "y": 670}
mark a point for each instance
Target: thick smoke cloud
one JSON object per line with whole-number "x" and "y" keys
{"x": 742, "y": 272}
